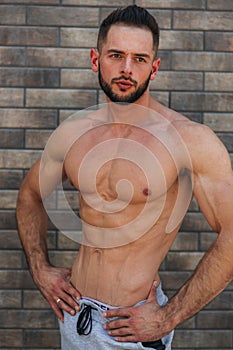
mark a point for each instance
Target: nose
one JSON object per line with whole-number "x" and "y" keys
{"x": 127, "y": 66}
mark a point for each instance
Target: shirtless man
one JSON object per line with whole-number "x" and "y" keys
{"x": 112, "y": 297}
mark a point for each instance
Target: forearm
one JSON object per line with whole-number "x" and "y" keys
{"x": 212, "y": 275}
{"x": 32, "y": 228}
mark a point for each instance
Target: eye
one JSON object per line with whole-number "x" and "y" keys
{"x": 140, "y": 59}
{"x": 115, "y": 55}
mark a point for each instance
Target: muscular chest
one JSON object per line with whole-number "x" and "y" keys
{"x": 131, "y": 167}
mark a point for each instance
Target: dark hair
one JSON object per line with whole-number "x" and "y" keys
{"x": 131, "y": 16}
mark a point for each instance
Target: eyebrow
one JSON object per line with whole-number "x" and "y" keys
{"x": 122, "y": 52}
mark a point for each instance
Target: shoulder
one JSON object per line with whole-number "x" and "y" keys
{"x": 207, "y": 152}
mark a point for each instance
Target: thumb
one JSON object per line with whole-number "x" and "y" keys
{"x": 152, "y": 294}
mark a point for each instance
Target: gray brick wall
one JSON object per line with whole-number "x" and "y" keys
{"x": 45, "y": 76}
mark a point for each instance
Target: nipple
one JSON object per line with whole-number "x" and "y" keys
{"x": 147, "y": 192}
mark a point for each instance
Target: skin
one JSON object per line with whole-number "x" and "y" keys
{"x": 129, "y": 52}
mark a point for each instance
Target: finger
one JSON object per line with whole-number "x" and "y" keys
{"x": 152, "y": 294}
{"x": 121, "y": 332}
{"x": 127, "y": 338}
{"x": 116, "y": 324}
{"x": 120, "y": 312}
{"x": 57, "y": 310}
{"x": 73, "y": 291}
{"x": 69, "y": 300}
{"x": 66, "y": 307}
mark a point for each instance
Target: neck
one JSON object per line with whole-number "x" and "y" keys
{"x": 131, "y": 113}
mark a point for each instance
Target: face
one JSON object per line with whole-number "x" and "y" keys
{"x": 126, "y": 63}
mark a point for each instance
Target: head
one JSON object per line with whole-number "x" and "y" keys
{"x": 132, "y": 16}
{"x": 126, "y": 54}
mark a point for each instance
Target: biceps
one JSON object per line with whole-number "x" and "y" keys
{"x": 51, "y": 174}
{"x": 216, "y": 200}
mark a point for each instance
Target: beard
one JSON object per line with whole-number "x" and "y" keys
{"x": 114, "y": 97}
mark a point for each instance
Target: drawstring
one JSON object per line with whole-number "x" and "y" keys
{"x": 84, "y": 323}
{"x": 84, "y": 327}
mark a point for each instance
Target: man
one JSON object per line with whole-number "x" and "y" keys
{"x": 136, "y": 165}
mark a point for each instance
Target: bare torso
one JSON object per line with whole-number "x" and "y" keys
{"x": 125, "y": 222}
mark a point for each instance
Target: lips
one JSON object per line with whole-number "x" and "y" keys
{"x": 124, "y": 84}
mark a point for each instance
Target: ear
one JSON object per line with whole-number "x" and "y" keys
{"x": 94, "y": 56}
{"x": 155, "y": 68}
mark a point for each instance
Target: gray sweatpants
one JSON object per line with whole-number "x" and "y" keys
{"x": 98, "y": 339}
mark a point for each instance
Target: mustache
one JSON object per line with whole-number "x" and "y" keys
{"x": 122, "y": 77}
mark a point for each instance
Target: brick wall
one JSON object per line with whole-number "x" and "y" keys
{"x": 44, "y": 76}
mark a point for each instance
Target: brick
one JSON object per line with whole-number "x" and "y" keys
{"x": 177, "y": 81}
{"x": 196, "y": 117}
{"x": 30, "y": 2}
{"x": 206, "y": 240}
{"x": 12, "y": 56}
{"x": 62, "y": 259}
{"x": 11, "y": 138}
{"x": 21, "y": 36}
{"x": 185, "y": 241}
{"x": 216, "y": 102}
{"x": 227, "y": 140}
{"x": 37, "y": 138}
{"x": 173, "y": 280}
{"x": 66, "y": 243}
{"x": 203, "y": 61}
{"x": 57, "y": 57}
{"x": 189, "y": 339}
{"x": 28, "y": 118}
{"x": 218, "y": 41}
{"x": 194, "y": 205}
{"x": 182, "y": 261}
{"x": 12, "y": 15}
{"x": 63, "y": 16}
{"x": 64, "y": 114}
{"x": 165, "y": 58}
{"x": 73, "y": 78}
{"x": 26, "y": 319}
{"x": 18, "y": 159}
{"x": 181, "y": 40}
{"x": 10, "y": 260}
{"x": 189, "y": 324}
{"x": 161, "y": 96}
{"x": 70, "y": 196}
{"x": 10, "y": 179}
{"x": 11, "y": 97}
{"x": 33, "y": 299}
{"x": 11, "y": 338}
{"x": 7, "y": 219}
{"x": 217, "y": 5}
{"x": 223, "y": 301}
{"x": 195, "y": 222}
{"x": 191, "y": 4}
{"x": 10, "y": 299}
{"x": 29, "y": 77}
{"x": 215, "y": 319}
{"x": 9, "y": 239}
{"x": 117, "y": 3}
{"x": 219, "y": 121}
{"x": 203, "y": 20}
{"x": 46, "y": 339}
{"x": 60, "y": 98}
{"x": 16, "y": 279}
{"x": 218, "y": 81}
{"x": 8, "y": 199}
{"x": 78, "y": 37}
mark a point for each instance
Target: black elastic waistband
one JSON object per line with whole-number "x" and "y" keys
{"x": 158, "y": 344}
